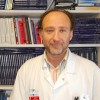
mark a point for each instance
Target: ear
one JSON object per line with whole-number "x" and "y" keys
{"x": 71, "y": 35}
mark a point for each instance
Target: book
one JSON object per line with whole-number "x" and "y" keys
{"x": 33, "y": 30}
{"x": 87, "y": 8}
{"x": 86, "y": 31}
{"x": 12, "y": 31}
{"x": 8, "y": 4}
{"x": 12, "y": 59}
{"x": 15, "y": 30}
{"x": 88, "y": 3}
{"x": 8, "y": 32}
{"x": 21, "y": 32}
{"x": 3, "y": 95}
{"x": 25, "y": 30}
{"x": 86, "y": 52}
{"x": 39, "y": 41}
{"x": 30, "y": 28}
{"x": 2, "y": 5}
{"x": 30, "y": 4}
{"x": 65, "y": 4}
{"x": 3, "y": 32}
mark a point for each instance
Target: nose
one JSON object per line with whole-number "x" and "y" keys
{"x": 56, "y": 36}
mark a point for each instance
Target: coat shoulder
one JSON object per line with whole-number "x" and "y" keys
{"x": 83, "y": 61}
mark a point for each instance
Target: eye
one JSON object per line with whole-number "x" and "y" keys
{"x": 49, "y": 30}
{"x": 63, "y": 30}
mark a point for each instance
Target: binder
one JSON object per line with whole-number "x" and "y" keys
{"x": 30, "y": 4}
{"x": 86, "y": 30}
{"x": 86, "y": 52}
{"x": 11, "y": 60}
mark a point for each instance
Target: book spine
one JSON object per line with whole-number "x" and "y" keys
{"x": 8, "y": 4}
{"x": 3, "y": 95}
{"x": 39, "y": 41}
{"x": 15, "y": 30}
{"x": 3, "y": 32}
{"x": 33, "y": 30}
{"x": 0, "y": 31}
{"x": 30, "y": 28}
{"x": 25, "y": 30}
{"x": 13, "y": 39}
{"x": 8, "y": 32}
{"x": 21, "y": 31}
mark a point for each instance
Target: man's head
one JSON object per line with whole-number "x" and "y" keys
{"x": 56, "y": 29}
{"x": 54, "y": 10}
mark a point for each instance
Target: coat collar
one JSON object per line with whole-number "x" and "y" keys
{"x": 69, "y": 72}
{"x": 70, "y": 66}
{"x": 66, "y": 76}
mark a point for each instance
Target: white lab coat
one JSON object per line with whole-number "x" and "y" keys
{"x": 81, "y": 78}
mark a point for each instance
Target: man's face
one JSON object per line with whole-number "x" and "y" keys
{"x": 56, "y": 32}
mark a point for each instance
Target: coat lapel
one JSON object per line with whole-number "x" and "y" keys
{"x": 68, "y": 74}
{"x": 47, "y": 74}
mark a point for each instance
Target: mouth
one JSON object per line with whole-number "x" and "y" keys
{"x": 56, "y": 46}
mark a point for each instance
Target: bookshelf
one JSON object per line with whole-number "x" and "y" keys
{"x": 33, "y": 13}
{"x": 41, "y": 45}
{"x": 6, "y": 87}
{"x": 37, "y": 14}
{"x": 85, "y": 11}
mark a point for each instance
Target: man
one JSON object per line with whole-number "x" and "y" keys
{"x": 58, "y": 74}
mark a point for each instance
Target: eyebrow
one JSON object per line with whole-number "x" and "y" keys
{"x": 58, "y": 27}
{"x": 64, "y": 27}
{"x": 49, "y": 27}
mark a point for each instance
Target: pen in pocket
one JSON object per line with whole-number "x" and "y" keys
{"x": 76, "y": 98}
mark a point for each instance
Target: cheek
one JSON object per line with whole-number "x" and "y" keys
{"x": 66, "y": 39}
{"x": 45, "y": 39}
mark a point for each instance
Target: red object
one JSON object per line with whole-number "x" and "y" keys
{"x": 39, "y": 41}
{"x": 21, "y": 31}
{"x": 34, "y": 98}
{"x": 25, "y": 30}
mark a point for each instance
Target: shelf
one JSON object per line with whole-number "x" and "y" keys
{"x": 85, "y": 11}
{"x": 41, "y": 45}
{"x": 34, "y": 13}
{"x": 21, "y": 45}
{"x": 84, "y": 45}
{"x": 6, "y": 87}
{"x": 37, "y": 13}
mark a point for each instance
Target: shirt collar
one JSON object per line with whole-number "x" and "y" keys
{"x": 63, "y": 62}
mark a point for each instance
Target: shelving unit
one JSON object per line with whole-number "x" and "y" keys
{"x": 6, "y": 87}
{"x": 33, "y": 13}
{"x": 41, "y": 45}
{"x": 37, "y": 14}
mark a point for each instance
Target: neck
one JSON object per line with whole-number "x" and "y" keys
{"x": 55, "y": 60}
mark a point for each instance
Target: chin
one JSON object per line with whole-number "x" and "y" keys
{"x": 56, "y": 52}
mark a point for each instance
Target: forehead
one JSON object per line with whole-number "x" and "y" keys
{"x": 56, "y": 18}
{"x": 56, "y": 14}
